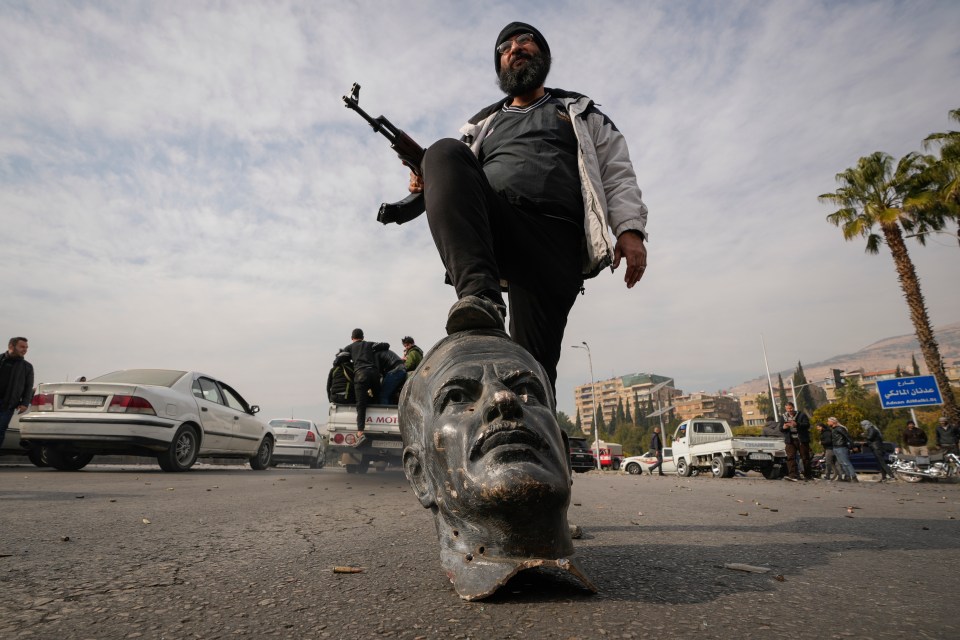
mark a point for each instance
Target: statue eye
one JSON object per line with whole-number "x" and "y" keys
{"x": 529, "y": 392}
{"x": 456, "y": 395}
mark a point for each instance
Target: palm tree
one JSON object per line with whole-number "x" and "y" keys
{"x": 873, "y": 195}
{"x": 947, "y": 167}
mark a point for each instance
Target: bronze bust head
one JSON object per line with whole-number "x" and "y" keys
{"x": 484, "y": 452}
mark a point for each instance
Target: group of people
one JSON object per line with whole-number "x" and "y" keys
{"x": 836, "y": 442}
{"x": 367, "y": 372}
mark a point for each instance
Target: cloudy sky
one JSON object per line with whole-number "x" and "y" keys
{"x": 182, "y": 187}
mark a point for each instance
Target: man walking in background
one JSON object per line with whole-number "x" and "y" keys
{"x": 657, "y": 445}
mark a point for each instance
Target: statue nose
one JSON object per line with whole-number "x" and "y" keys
{"x": 505, "y": 404}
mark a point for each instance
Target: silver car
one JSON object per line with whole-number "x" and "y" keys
{"x": 635, "y": 465}
{"x": 298, "y": 442}
{"x": 174, "y": 416}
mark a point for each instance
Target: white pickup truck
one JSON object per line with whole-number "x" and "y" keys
{"x": 382, "y": 430}
{"x": 704, "y": 443}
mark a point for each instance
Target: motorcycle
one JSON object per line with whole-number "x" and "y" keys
{"x": 935, "y": 467}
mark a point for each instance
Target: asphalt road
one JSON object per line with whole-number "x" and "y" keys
{"x": 111, "y": 552}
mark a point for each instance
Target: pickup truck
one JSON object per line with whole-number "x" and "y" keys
{"x": 382, "y": 431}
{"x": 704, "y": 443}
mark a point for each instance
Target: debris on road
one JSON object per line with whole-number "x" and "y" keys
{"x": 748, "y": 568}
{"x": 349, "y": 569}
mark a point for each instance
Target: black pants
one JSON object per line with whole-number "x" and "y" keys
{"x": 366, "y": 381}
{"x": 792, "y": 449}
{"x": 659, "y": 465}
{"x": 482, "y": 239}
{"x": 885, "y": 470}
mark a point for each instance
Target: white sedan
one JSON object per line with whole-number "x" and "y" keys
{"x": 175, "y": 416}
{"x": 298, "y": 442}
{"x": 635, "y": 465}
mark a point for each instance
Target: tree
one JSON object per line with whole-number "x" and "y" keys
{"x": 599, "y": 424}
{"x": 567, "y": 426}
{"x": 764, "y": 406}
{"x": 875, "y": 194}
{"x": 945, "y": 170}
{"x": 629, "y": 416}
{"x": 782, "y": 395}
{"x": 805, "y": 401}
{"x": 579, "y": 422}
{"x": 914, "y": 365}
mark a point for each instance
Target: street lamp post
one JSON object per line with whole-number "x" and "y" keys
{"x": 593, "y": 392}
{"x": 793, "y": 390}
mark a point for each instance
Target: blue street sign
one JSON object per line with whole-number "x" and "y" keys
{"x": 900, "y": 393}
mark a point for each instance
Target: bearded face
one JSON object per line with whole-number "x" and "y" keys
{"x": 520, "y": 78}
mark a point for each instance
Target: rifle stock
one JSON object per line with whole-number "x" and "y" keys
{"x": 410, "y": 153}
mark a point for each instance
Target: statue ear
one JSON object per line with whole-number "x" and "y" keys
{"x": 416, "y": 475}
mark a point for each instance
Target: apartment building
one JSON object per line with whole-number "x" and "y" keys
{"x": 722, "y": 407}
{"x": 633, "y": 390}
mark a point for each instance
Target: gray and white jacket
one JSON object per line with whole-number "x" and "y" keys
{"x": 611, "y": 195}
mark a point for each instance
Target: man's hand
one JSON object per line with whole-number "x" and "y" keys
{"x": 21, "y": 408}
{"x": 416, "y": 183}
{"x": 630, "y": 246}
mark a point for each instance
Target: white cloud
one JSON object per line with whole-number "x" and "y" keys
{"x": 185, "y": 188}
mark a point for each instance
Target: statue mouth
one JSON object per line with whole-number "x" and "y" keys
{"x": 507, "y": 434}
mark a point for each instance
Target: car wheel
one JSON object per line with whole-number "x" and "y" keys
{"x": 261, "y": 461}
{"x": 683, "y": 469}
{"x": 907, "y": 477}
{"x": 64, "y": 460}
{"x": 182, "y": 452}
{"x": 716, "y": 467}
{"x": 321, "y": 459}
{"x": 38, "y": 456}
{"x": 633, "y": 469}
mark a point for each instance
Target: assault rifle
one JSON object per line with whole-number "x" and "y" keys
{"x": 411, "y": 154}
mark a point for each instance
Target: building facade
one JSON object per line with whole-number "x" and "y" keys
{"x": 633, "y": 392}
{"x": 706, "y": 405}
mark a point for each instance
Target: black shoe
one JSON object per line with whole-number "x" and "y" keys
{"x": 475, "y": 312}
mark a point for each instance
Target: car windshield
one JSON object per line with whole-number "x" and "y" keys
{"x": 290, "y": 424}
{"x": 578, "y": 444}
{"x": 152, "y": 377}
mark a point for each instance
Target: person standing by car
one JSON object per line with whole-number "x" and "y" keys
{"x": 656, "y": 443}
{"x": 948, "y": 436}
{"x": 795, "y": 426}
{"x": 412, "y": 355}
{"x": 841, "y": 449}
{"x": 830, "y": 469}
{"x": 366, "y": 377}
{"x": 16, "y": 382}
{"x": 875, "y": 442}
{"x": 915, "y": 440}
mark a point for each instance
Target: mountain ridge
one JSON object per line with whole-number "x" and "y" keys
{"x": 883, "y": 354}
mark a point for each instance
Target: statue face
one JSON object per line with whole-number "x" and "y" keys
{"x": 492, "y": 443}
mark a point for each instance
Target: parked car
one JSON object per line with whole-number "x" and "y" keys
{"x": 861, "y": 456}
{"x": 298, "y": 442}
{"x": 175, "y": 416}
{"x": 636, "y": 465}
{"x": 581, "y": 455}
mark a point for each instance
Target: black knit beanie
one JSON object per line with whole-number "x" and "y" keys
{"x": 513, "y": 29}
